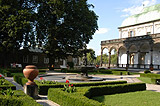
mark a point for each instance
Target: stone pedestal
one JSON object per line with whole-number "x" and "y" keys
{"x": 31, "y": 90}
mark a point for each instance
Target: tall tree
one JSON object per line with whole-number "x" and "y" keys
{"x": 91, "y": 56}
{"x": 59, "y": 26}
{"x": 16, "y": 21}
{"x": 75, "y": 25}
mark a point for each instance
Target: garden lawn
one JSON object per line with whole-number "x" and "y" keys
{"x": 145, "y": 80}
{"x": 140, "y": 98}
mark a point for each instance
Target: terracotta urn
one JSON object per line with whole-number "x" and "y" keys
{"x": 30, "y": 72}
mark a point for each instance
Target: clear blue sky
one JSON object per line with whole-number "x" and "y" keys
{"x": 111, "y": 14}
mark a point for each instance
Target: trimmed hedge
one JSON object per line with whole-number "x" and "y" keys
{"x": 43, "y": 88}
{"x": 113, "y": 89}
{"x": 19, "y": 99}
{"x": 155, "y": 81}
{"x": 7, "y": 85}
{"x": 20, "y": 80}
{"x": 155, "y": 76}
{"x": 71, "y": 99}
{"x": 80, "y": 97}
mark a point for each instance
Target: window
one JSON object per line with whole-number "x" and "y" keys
{"x": 46, "y": 60}
{"x": 56, "y": 60}
{"x": 148, "y": 33}
{"x": 131, "y": 34}
{"x": 75, "y": 61}
{"x": 25, "y": 59}
{"x": 35, "y": 59}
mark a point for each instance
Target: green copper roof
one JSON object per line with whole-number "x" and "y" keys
{"x": 148, "y": 14}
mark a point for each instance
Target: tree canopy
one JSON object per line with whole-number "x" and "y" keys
{"x": 60, "y": 27}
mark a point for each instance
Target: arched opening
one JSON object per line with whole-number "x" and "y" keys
{"x": 122, "y": 58}
{"x": 113, "y": 58}
{"x": 133, "y": 55}
{"x": 105, "y": 57}
{"x": 145, "y": 54}
{"x": 156, "y": 54}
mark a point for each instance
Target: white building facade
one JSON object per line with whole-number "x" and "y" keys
{"x": 139, "y": 42}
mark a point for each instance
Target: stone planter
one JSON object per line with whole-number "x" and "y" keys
{"x": 30, "y": 88}
{"x": 30, "y": 72}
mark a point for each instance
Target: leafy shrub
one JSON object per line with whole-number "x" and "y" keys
{"x": 8, "y": 92}
{"x": 2, "y": 82}
{"x": 70, "y": 64}
{"x": 69, "y": 87}
{"x": 147, "y": 71}
{"x": 18, "y": 99}
{"x": 6, "y": 84}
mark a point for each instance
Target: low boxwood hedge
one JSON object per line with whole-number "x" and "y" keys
{"x": 43, "y": 88}
{"x": 18, "y": 99}
{"x": 82, "y": 95}
{"x": 71, "y": 99}
{"x": 150, "y": 75}
{"x": 113, "y": 89}
{"x": 7, "y": 85}
{"x": 155, "y": 81}
{"x": 20, "y": 80}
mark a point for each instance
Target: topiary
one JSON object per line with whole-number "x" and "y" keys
{"x": 147, "y": 71}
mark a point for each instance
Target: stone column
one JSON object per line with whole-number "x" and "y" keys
{"x": 139, "y": 59}
{"x": 127, "y": 65}
{"x": 118, "y": 59}
{"x": 101, "y": 58}
{"x": 151, "y": 64}
{"x": 109, "y": 60}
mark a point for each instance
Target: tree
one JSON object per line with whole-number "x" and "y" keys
{"x": 15, "y": 26}
{"x": 59, "y": 26}
{"x": 75, "y": 25}
{"x": 91, "y": 56}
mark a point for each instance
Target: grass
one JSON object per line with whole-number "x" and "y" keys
{"x": 140, "y": 98}
{"x": 145, "y": 79}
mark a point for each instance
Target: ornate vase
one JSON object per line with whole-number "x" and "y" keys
{"x": 30, "y": 72}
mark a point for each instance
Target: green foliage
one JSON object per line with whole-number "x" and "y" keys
{"x": 70, "y": 64}
{"x": 113, "y": 89}
{"x": 43, "y": 88}
{"x": 8, "y": 92}
{"x": 59, "y": 26}
{"x": 4, "y": 84}
{"x": 91, "y": 56}
{"x": 147, "y": 71}
{"x": 79, "y": 98}
{"x": 20, "y": 80}
{"x": 155, "y": 81}
{"x": 69, "y": 88}
{"x": 18, "y": 99}
{"x": 71, "y": 99}
{"x": 150, "y": 75}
